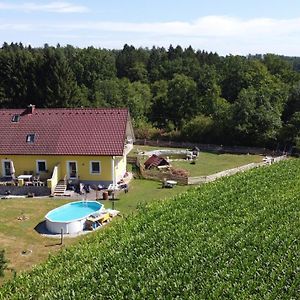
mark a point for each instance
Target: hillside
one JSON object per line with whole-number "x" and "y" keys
{"x": 176, "y": 93}
{"x": 237, "y": 238}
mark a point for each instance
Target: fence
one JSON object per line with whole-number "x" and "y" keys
{"x": 185, "y": 180}
{"x": 206, "y": 147}
{"x": 213, "y": 177}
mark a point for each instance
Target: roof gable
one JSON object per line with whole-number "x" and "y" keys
{"x": 64, "y": 131}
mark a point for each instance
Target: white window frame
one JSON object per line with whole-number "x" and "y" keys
{"x": 37, "y": 166}
{"x": 30, "y": 138}
{"x": 91, "y": 169}
{"x": 68, "y": 169}
{"x": 15, "y": 118}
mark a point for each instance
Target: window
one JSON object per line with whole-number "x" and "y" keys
{"x": 95, "y": 167}
{"x": 6, "y": 168}
{"x": 41, "y": 166}
{"x": 15, "y": 118}
{"x": 30, "y": 138}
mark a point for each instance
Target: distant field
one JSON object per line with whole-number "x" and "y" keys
{"x": 236, "y": 238}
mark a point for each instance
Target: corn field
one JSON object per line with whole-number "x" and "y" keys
{"x": 236, "y": 238}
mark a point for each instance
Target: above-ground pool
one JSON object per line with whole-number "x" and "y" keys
{"x": 71, "y": 217}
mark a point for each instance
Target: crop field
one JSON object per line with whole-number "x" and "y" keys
{"x": 236, "y": 238}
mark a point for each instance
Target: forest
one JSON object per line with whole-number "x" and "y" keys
{"x": 175, "y": 93}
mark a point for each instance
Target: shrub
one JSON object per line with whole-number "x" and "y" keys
{"x": 144, "y": 130}
{"x": 3, "y": 263}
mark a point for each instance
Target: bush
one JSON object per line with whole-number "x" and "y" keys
{"x": 198, "y": 129}
{"x": 144, "y": 130}
{"x": 3, "y": 263}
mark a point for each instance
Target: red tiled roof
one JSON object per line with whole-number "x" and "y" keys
{"x": 64, "y": 131}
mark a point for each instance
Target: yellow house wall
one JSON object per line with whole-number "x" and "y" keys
{"x": 120, "y": 163}
{"x": 27, "y": 163}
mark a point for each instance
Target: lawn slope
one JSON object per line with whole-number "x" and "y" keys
{"x": 237, "y": 238}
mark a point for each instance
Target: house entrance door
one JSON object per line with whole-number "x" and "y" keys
{"x": 72, "y": 169}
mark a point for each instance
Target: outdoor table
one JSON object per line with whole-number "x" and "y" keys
{"x": 171, "y": 183}
{"x": 25, "y": 177}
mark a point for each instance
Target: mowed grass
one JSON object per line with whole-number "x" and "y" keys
{"x": 17, "y": 235}
{"x": 210, "y": 163}
{"x": 144, "y": 148}
{"x": 142, "y": 192}
{"x": 19, "y": 217}
{"x": 207, "y": 163}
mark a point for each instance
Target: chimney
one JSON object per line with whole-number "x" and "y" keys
{"x": 30, "y": 109}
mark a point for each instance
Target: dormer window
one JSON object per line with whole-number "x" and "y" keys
{"x": 30, "y": 138}
{"x": 15, "y": 118}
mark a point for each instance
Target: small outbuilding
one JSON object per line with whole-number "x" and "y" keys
{"x": 155, "y": 161}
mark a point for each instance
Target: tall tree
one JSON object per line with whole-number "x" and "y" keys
{"x": 57, "y": 81}
{"x": 184, "y": 99}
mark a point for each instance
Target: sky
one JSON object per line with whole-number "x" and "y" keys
{"x": 222, "y": 26}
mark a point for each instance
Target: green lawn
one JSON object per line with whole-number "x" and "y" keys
{"x": 141, "y": 148}
{"x": 17, "y": 236}
{"x": 143, "y": 191}
{"x": 207, "y": 163}
{"x": 210, "y": 163}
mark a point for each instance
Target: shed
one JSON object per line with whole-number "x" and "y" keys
{"x": 155, "y": 161}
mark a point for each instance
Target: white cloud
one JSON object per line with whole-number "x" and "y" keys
{"x": 213, "y": 26}
{"x": 213, "y": 33}
{"x": 54, "y": 7}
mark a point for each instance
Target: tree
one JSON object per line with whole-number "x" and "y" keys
{"x": 233, "y": 71}
{"x": 57, "y": 81}
{"x": 155, "y": 64}
{"x": 290, "y": 133}
{"x": 257, "y": 116}
{"x": 293, "y": 102}
{"x": 208, "y": 88}
{"x": 280, "y": 68}
{"x": 159, "y": 113}
{"x": 138, "y": 100}
{"x": 183, "y": 98}
{"x": 14, "y": 71}
{"x": 198, "y": 129}
{"x": 131, "y": 63}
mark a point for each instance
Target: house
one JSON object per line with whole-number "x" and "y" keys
{"x": 74, "y": 145}
{"x": 155, "y": 161}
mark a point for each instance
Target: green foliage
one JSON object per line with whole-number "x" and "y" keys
{"x": 144, "y": 130}
{"x": 183, "y": 95}
{"x": 236, "y": 238}
{"x": 250, "y": 99}
{"x": 198, "y": 129}
{"x": 257, "y": 114}
{"x": 3, "y": 263}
